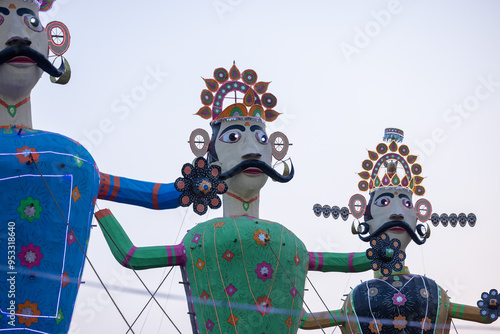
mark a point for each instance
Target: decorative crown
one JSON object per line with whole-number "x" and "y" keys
{"x": 44, "y": 5}
{"x": 256, "y": 102}
{"x": 381, "y": 169}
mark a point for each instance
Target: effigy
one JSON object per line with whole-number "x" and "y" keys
{"x": 396, "y": 300}
{"x": 240, "y": 272}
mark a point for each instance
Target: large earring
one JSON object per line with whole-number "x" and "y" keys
{"x": 59, "y": 39}
{"x": 279, "y": 144}
{"x": 198, "y": 142}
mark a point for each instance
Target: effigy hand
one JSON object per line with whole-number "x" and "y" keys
{"x": 200, "y": 186}
{"x": 385, "y": 254}
{"x": 489, "y": 305}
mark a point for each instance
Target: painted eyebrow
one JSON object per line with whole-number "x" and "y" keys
{"x": 231, "y": 127}
{"x": 403, "y": 195}
{"x": 385, "y": 194}
{"x": 256, "y": 127}
{"x": 22, "y": 11}
{"x": 4, "y": 11}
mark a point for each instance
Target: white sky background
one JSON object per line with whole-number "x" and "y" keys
{"x": 421, "y": 61}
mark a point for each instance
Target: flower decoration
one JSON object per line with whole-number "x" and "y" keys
{"x": 375, "y": 326}
{"x": 399, "y": 299}
{"x": 59, "y": 316}
{"x": 261, "y": 237}
{"x": 490, "y": 305}
{"x": 200, "y": 186}
{"x": 228, "y": 255}
{"x": 293, "y": 292}
{"x": 204, "y": 296}
{"x": 65, "y": 279}
{"x": 264, "y": 271}
{"x": 400, "y": 322}
{"x": 231, "y": 290}
{"x": 210, "y": 325}
{"x": 426, "y": 324}
{"x": 27, "y": 154}
{"x": 263, "y": 305}
{"x": 233, "y": 319}
{"x": 28, "y": 308}
{"x": 385, "y": 254}
{"x": 76, "y": 194}
{"x": 30, "y": 209}
{"x": 30, "y": 256}
{"x": 289, "y": 322}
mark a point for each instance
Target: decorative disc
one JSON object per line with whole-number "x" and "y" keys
{"x": 58, "y": 37}
{"x": 423, "y": 208}
{"x": 279, "y": 144}
{"x": 357, "y": 205}
{"x": 198, "y": 142}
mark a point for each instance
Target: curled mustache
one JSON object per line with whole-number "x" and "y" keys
{"x": 265, "y": 168}
{"x": 25, "y": 51}
{"x": 398, "y": 223}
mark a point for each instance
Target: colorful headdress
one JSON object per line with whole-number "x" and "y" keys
{"x": 44, "y": 5}
{"x": 256, "y": 101}
{"x": 381, "y": 169}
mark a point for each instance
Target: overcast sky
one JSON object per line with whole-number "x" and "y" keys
{"x": 342, "y": 71}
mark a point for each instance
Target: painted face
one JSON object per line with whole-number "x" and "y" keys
{"x": 20, "y": 24}
{"x": 393, "y": 205}
{"x": 238, "y": 141}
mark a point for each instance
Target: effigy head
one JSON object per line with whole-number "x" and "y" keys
{"x": 392, "y": 177}
{"x": 239, "y": 107}
{"x": 24, "y": 47}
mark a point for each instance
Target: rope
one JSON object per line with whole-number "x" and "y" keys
{"x": 331, "y": 316}
{"x": 78, "y": 242}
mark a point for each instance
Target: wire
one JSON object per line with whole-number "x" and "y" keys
{"x": 79, "y": 245}
{"x": 328, "y": 310}
{"x": 135, "y": 272}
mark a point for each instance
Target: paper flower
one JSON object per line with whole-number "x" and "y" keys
{"x": 489, "y": 305}
{"x": 385, "y": 254}
{"x": 200, "y": 186}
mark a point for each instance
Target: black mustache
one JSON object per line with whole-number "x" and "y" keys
{"x": 25, "y": 51}
{"x": 264, "y": 167}
{"x": 391, "y": 224}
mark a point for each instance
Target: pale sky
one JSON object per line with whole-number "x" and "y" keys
{"x": 342, "y": 71}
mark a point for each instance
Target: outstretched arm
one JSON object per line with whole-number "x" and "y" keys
{"x": 158, "y": 196}
{"x": 466, "y": 312}
{"x": 340, "y": 262}
{"x": 134, "y": 257}
{"x": 322, "y": 319}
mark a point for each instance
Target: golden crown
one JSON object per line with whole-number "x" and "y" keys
{"x": 381, "y": 169}
{"x": 256, "y": 101}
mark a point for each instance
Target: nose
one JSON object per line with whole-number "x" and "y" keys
{"x": 16, "y": 40}
{"x": 396, "y": 216}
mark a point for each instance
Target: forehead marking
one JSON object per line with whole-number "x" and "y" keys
{"x": 12, "y": 6}
{"x": 247, "y": 124}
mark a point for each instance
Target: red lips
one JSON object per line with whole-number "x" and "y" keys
{"x": 397, "y": 229}
{"x": 21, "y": 59}
{"x": 252, "y": 171}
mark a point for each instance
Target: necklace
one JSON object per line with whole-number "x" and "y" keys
{"x": 246, "y": 204}
{"x": 12, "y": 109}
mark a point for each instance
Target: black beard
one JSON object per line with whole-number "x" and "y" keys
{"x": 25, "y": 51}
{"x": 264, "y": 167}
{"x": 391, "y": 224}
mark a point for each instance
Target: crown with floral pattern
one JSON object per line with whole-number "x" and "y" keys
{"x": 256, "y": 102}
{"x": 380, "y": 170}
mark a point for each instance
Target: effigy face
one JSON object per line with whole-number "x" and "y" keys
{"x": 19, "y": 19}
{"x": 245, "y": 275}
{"x": 240, "y": 140}
{"x": 393, "y": 205}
